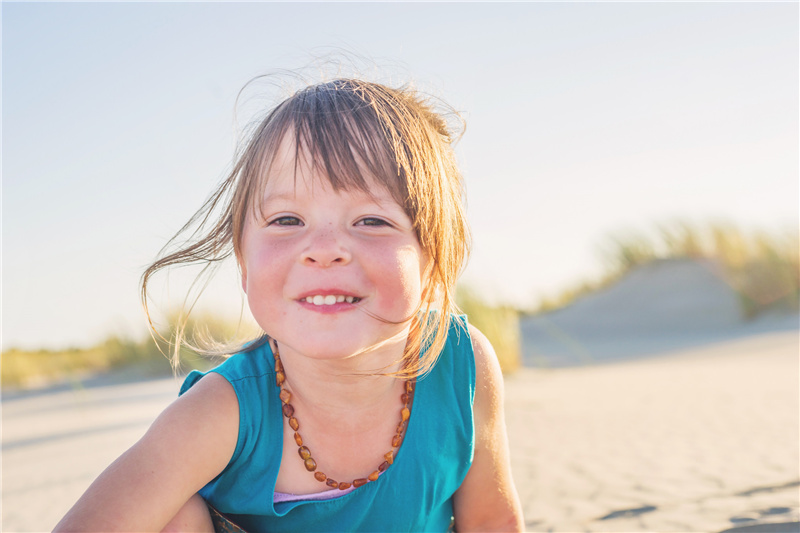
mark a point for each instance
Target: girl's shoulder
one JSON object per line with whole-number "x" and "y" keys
{"x": 250, "y": 376}
{"x": 252, "y": 363}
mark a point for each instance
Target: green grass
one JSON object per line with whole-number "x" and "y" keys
{"x": 762, "y": 267}
{"x": 29, "y": 368}
{"x": 500, "y": 324}
{"x": 26, "y": 368}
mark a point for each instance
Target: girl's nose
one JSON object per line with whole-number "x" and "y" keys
{"x": 326, "y": 248}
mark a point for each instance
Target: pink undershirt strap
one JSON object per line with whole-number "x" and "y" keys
{"x": 279, "y": 497}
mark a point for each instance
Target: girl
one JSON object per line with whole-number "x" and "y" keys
{"x": 366, "y": 405}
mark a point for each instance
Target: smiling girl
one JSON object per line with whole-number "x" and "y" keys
{"x": 366, "y": 405}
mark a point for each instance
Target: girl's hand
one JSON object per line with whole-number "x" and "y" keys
{"x": 487, "y": 499}
{"x": 187, "y": 446}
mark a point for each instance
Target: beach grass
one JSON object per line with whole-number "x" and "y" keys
{"x": 148, "y": 356}
{"x": 761, "y": 266}
{"x": 32, "y": 368}
{"x": 500, "y": 324}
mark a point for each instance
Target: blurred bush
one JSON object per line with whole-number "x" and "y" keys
{"x": 500, "y": 324}
{"x": 148, "y": 357}
{"x": 30, "y": 368}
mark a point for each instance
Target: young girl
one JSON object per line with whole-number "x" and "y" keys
{"x": 366, "y": 405}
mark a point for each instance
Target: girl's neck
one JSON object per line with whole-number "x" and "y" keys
{"x": 342, "y": 385}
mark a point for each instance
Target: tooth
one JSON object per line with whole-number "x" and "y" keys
{"x": 339, "y": 299}
{"x": 310, "y": 299}
{"x": 349, "y": 299}
{"x": 319, "y": 299}
{"x": 330, "y": 299}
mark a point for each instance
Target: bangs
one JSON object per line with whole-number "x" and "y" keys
{"x": 340, "y": 131}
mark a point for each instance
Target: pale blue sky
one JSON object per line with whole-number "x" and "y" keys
{"x": 583, "y": 120}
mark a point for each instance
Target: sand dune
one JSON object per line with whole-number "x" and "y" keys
{"x": 699, "y": 435}
{"x": 660, "y": 307}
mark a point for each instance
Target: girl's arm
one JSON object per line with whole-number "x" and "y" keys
{"x": 487, "y": 499}
{"x": 187, "y": 446}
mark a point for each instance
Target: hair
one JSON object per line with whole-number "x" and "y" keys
{"x": 353, "y": 132}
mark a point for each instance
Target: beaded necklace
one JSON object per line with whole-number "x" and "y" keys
{"x": 305, "y": 453}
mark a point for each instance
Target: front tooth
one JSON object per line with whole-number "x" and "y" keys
{"x": 330, "y": 299}
{"x": 349, "y": 299}
{"x": 319, "y": 299}
{"x": 339, "y": 299}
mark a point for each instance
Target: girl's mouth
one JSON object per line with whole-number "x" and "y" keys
{"x": 330, "y": 299}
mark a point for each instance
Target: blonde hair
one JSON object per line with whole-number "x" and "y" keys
{"x": 353, "y": 132}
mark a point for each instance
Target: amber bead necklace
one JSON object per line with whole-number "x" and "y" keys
{"x": 305, "y": 453}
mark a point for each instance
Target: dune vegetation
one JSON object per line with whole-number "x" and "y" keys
{"x": 147, "y": 357}
{"x": 762, "y": 267}
{"x": 500, "y": 324}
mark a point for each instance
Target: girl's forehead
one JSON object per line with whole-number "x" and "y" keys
{"x": 292, "y": 173}
{"x": 308, "y": 186}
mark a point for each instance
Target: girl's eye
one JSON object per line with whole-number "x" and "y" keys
{"x": 285, "y": 221}
{"x": 372, "y": 222}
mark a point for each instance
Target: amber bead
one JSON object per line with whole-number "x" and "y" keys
{"x": 304, "y": 452}
{"x": 295, "y": 425}
{"x": 343, "y": 485}
{"x": 319, "y": 476}
{"x": 396, "y": 441}
{"x": 280, "y": 378}
{"x": 359, "y": 482}
{"x": 331, "y": 483}
{"x": 278, "y": 365}
{"x": 389, "y": 457}
{"x": 374, "y": 476}
{"x": 401, "y": 427}
{"x": 405, "y": 413}
{"x": 311, "y": 464}
{"x": 285, "y": 396}
{"x": 288, "y": 410}
{"x": 404, "y": 398}
{"x": 298, "y": 439}
{"x": 384, "y": 466}
{"x": 409, "y": 387}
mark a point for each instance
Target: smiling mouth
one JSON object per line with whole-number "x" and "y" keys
{"x": 330, "y": 299}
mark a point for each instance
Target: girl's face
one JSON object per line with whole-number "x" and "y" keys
{"x": 318, "y": 259}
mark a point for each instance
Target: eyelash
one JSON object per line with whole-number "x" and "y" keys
{"x": 369, "y": 221}
{"x": 277, "y": 221}
{"x": 380, "y": 222}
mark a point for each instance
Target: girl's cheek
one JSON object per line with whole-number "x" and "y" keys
{"x": 410, "y": 266}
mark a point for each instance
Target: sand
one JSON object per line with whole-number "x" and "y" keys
{"x": 698, "y": 440}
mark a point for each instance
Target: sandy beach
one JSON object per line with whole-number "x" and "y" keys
{"x": 699, "y": 440}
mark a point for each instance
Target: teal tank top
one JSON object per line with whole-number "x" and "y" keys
{"x": 414, "y": 494}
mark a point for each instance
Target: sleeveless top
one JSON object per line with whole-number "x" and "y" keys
{"x": 414, "y": 494}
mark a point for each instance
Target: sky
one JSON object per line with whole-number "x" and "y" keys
{"x": 584, "y": 121}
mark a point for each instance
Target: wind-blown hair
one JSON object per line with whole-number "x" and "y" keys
{"x": 354, "y": 133}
